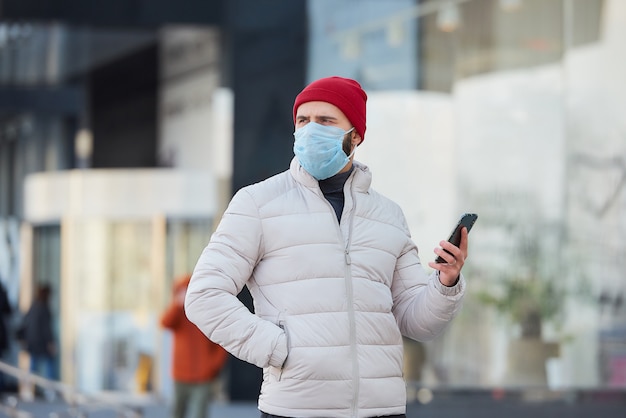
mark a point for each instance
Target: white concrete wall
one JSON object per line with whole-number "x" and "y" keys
{"x": 119, "y": 194}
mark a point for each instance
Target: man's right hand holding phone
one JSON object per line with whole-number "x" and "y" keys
{"x": 453, "y": 252}
{"x": 453, "y": 257}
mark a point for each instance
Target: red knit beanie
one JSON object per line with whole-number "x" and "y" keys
{"x": 344, "y": 93}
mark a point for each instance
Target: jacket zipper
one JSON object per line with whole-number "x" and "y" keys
{"x": 351, "y": 314}
{"x": 350, "y": 296}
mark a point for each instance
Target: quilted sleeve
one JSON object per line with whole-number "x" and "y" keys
{"x": 423, "y": 307}
{"x": 220, "y": 274}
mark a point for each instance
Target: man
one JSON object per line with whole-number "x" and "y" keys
{"x": 196, "y": 360}
{"x": 333, "y": 272}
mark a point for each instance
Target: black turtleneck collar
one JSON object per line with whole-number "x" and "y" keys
{"x": 332, "y": 188}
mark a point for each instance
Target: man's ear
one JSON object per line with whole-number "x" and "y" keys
{"x": 356, "y": 139}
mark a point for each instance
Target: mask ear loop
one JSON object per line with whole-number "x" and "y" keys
{"x": 353, "y": 145}
{"x": 352, "y": 153}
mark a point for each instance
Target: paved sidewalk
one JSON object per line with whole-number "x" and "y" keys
{"x": 57, "y": 409}
{"x": 218, "y": 410}
{"x": 439, "y": 404}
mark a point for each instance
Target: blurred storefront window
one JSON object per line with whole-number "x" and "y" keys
{"x": 112, "y": 287}
{"x": 110, "y": 245}
{"x": 186, "y": 238}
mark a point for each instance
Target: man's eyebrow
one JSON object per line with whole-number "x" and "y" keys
{"x": 316, "y": 117}
{"x": 328, "y": 117}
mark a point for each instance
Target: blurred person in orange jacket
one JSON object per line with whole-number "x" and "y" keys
{"x": 196, "y": 360}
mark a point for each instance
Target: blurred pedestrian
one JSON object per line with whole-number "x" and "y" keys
{"x": 196, "y": 360}
{"x": 38, "y": 337}
{"x": 335, "y": 276}
{"x": 5, "y": 313}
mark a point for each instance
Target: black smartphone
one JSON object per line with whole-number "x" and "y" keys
{"x": 467, "y": 220}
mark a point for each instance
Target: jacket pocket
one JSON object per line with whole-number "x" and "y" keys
{"x": 282, "y": 325}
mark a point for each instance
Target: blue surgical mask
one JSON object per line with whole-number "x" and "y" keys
{"x": 319, "y": 149}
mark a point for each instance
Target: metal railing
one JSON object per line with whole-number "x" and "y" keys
{"x": 79, "y": 405}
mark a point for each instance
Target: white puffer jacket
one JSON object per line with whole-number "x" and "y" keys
{"x": 331, "y": 300}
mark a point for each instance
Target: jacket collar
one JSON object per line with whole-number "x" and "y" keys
{"x": 361, "y": 177}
